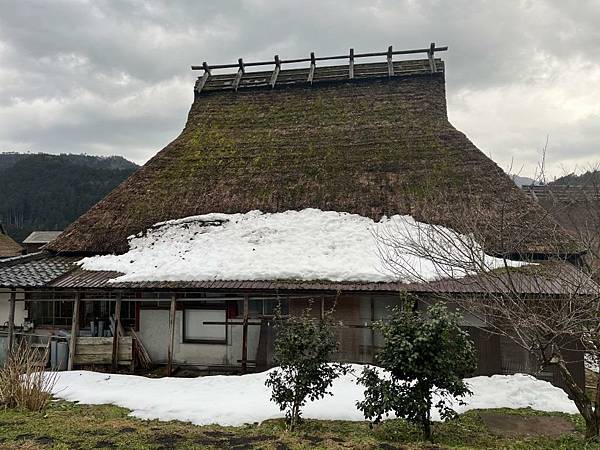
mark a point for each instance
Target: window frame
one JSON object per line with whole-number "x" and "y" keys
{"x": 212, "y": 307}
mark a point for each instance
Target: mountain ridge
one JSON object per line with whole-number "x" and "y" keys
{"x": 41, "y": 191}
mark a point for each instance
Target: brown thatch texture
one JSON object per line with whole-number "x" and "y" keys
{"x": 8, "y": 247}
{"x": 369, "y": 147}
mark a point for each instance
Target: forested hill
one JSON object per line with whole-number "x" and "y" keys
{"x": 48, "y": 192}
{"x": 589, "y": 178}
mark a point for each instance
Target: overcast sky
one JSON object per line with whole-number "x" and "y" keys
{"x": 112, "y": 77}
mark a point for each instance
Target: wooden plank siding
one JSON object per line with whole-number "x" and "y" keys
{"x": 98, "y": 350}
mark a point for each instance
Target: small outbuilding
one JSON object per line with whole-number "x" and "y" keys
{"x": 37, "y": 239}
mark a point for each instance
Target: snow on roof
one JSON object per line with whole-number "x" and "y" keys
{"x": 294, "y": 245}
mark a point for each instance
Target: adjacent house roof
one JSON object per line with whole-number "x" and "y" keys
{"x": 34, "y": 270}
{"x": 41, "y": 237}
{"x": 8, "y": 246}
{"x": 377, "y": 144}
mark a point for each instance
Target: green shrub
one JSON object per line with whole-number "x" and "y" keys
{"x": 303, "y": 350}
{"x": 425, "y": 354}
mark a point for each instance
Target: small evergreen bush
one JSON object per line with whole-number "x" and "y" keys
{"x": 303, "y": 350}
{"x": 427, "y": 355}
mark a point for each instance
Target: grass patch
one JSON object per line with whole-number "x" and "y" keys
{"x": 65, "y": 425}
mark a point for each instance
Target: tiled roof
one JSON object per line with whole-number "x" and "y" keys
{"x": 34, "y": 270}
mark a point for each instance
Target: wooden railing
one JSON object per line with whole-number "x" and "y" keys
{"x": 278, "y": 63}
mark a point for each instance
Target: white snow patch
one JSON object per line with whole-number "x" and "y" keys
{"x": 592, "y": 362}
{"x": 294, "y": 245}
{"x": 236, "y": 400}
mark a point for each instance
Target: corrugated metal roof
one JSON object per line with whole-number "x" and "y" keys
{"x": 544, "y": 278}
{"x": 85, "y": 279}
{"x": 563, "y": 192}
{"x": 34, "y": 270}
{"x": 549, "y": 278}
{"x": 41, "y": 237}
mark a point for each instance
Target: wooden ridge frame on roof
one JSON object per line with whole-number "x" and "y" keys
{"x": 277, "y": 62}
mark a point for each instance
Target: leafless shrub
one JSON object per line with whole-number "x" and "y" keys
{"x": 550, "y": 308}
{"x": 23, "y": 381}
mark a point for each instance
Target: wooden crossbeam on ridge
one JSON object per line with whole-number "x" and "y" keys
{"x": 277, "y": 62}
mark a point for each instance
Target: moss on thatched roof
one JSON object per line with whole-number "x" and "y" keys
{"x": 371, "y": 146}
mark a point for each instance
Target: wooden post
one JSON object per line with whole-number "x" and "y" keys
{"x": 11, "y": 320}
{"x": 202, "y": 81}
{"x": 74, "y": 331}
{"x": 313, "y": 64}
{"x": 238, "y": 77}
{"x": 372, "y": 328}
{"x": 275, "y": 71}
{"x": 245, "y": 336}
{"x": 351, "y": 64}
{"x": 115, "y": 347}
{"x": 430, "y": 57}
{"x": 172, "y": 313}
{"x": 390, "y": 64}
{"x": 322, "y": 307}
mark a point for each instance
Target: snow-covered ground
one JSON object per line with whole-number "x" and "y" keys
{"x": 236, "y": 400}
{"x": 294, "y": 245}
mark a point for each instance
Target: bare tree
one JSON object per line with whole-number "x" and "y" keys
{"x": 550, "y": 308}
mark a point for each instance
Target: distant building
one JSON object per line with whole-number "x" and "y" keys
{"x": 8, "y": 246}
{"x": 38, "y": 239}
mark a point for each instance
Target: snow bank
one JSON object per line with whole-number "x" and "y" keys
{"x": 236, "y": 400}
{"x": 294, "y": 245}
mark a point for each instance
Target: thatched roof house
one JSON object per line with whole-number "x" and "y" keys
{"x": 355, "y": 143}
{"x": 8, "y": 246}
{"x": 373, "y": 145}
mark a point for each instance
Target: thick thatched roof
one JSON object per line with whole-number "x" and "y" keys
{"x": 375, "y": 145}
{"x": 8, "y": 246}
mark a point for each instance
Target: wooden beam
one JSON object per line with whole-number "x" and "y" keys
{"x": 74, "y": 331}
{"x": 325, "y": 58}
{"x": 238, "y": 76}
{"x": 245, "y": 336}
{"x": 372, "y": 327}
{"x": 115, "y": 343}
{"x": 313, "y": 64}
{"x": 275, "y": 73}
{"x": 11, "y": 320}
{"x": 322, "y": 313}
{"x": 172, "y": 312}
{"x": 430, "y": 53}
{"x": 351, "y": 64}
{"x": 390, "y": 64}
{"x": 202, "y": 80}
